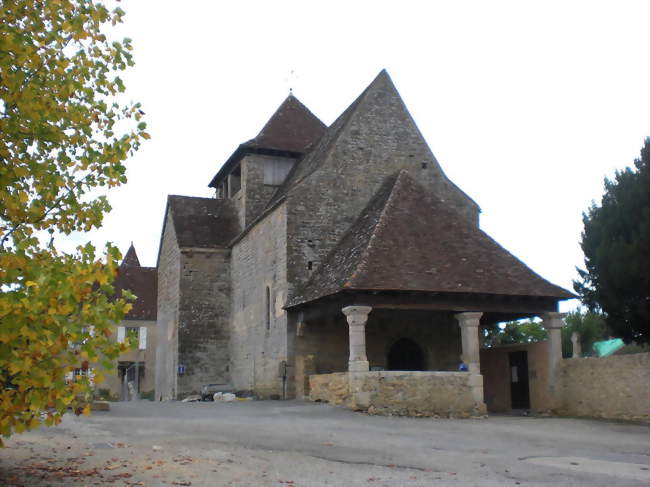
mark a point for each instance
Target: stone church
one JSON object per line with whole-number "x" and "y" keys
{"x": 336, "y": 258}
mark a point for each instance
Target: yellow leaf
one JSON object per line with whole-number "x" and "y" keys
{"x": 30, "y": 284}
{"x": 86, "y": 410}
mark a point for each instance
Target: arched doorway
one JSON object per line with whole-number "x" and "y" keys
{"x": 405, "y": 354}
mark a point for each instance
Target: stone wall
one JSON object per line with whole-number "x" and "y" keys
{"x": 495, "y": 368}
{"x": 256, "y": 193}
{"x": 258, "y": 347}
{"x": 169, "y": 271}
{"x": 331, "y": 388}
{"x": 614, "y": 387}
{"x": 203, "y": 326}
{"x": 446, "y": 394}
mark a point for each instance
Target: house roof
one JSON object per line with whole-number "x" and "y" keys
{"x": 131, "y": 257}
{"x": 203, "y": 222}
{"x": 292, "y": 128}
{"x": 407, "y": 239}
{"x": 290, "y": 131}
{"x": 141, "y": 281}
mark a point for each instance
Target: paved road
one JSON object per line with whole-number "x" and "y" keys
{"x": 304, "y": 444}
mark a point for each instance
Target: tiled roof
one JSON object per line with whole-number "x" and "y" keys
{"x": 131, "y": 257}
{"x": 292, "y": 129}
{"x": 203, "y": 222}
{"x": 141, "y": 281}
{"x": 408, "y": 240}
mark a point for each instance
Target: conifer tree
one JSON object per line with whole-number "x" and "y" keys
{"x": 616, "y": 244}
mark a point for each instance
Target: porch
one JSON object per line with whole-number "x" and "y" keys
{"x": 404, "y": 361}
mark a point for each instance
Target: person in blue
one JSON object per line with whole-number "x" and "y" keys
{"x": 462, "y": 367}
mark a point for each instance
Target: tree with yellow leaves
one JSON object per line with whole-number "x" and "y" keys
{"x": 64, "y": 134}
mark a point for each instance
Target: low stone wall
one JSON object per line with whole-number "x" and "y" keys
{"x": 447, "y": 394}
{"x": 332, "y": 388}
{"x": 615, "y": 387}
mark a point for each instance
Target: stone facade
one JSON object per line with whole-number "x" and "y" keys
{"x": 259, "y": 322}
{"x": 169, "y": 278}
{"x": 614, "y": 387}
{"x": 204, "y": 311}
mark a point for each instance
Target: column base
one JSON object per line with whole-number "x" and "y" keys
{"x": 358, "y": 366}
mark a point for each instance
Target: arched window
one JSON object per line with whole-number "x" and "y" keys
{"x": 267, "y": 307}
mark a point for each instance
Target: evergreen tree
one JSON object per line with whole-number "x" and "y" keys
{"x": 616, "y": 244}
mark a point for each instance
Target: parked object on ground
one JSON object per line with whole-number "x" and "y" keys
{"x": 192, "y": 398}
{"x": 224, "y": 397}
{"x": 208, "y": 390}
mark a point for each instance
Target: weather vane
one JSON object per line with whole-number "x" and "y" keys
{"x": 291, "y": 78}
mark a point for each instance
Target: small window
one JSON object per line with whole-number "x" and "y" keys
{"x": 276, "y": 170}
{"x": 234, "y": 182}
{"x": 267, "y": 306}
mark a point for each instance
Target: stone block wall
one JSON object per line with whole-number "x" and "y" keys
{"x": 445, "y": 394}
{"x": 203, "y": 323}
{"x": 257, "y": 348}
{"x": 169, "y": 272}
{"x": 331, "y": 388}
{"x": 256, "y": 193}
{"x": 614, "y": 387}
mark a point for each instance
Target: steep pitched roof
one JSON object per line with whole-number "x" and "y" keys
{"x": 291, "y": 130}
{"x": 141, "y": 281}
{"x": 131, "y": 257}
{"x": 408, "y": 240}
{"x": 203, "y": 222}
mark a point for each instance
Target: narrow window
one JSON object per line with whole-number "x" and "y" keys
{"x": 424, "y": 165}
{"x": 267, "y": 305}
{"x": 309, "y": 265}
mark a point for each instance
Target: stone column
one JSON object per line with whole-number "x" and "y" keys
{"x": 357, "y": 318}
{"x": 553, "y": 323}
{"x": 575, "y": 341}
{"x": 469, "y": 333}
{"x": 469, "y": 323}
{"x": 358, "y": 363}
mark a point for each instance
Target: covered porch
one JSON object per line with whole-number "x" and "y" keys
{"x": 400, "y": 353}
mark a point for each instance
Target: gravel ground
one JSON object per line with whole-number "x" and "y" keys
{"x": 293, "y": 443}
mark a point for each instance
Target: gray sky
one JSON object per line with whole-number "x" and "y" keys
{"x": 527, "y": 105}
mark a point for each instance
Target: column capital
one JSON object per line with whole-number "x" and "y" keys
{"x": 553, "y": 320}
{"x": 357, "y": 315}
{"x": 468, "y": 319}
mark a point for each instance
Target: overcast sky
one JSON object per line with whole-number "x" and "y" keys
{"x": 527, "y": 105}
